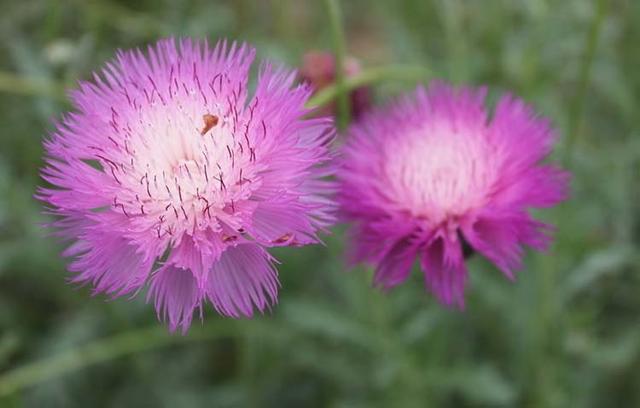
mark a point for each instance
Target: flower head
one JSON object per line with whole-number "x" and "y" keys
{"x": 435, "y": 173}
{"x": 171, "y": 173}
{"x": 319, "y": 70}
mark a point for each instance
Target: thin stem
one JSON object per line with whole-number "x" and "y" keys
{"x": 339, "y": 49}
{"x": 107, "y": 349}
{"x": 248, "y": 366}
{"x": 12, "y": 83}
{"x": 545, "y": 353}
{"x": 368, "y": 77}
{"x": 577, "y": 107}
{"x": 449, "y": 14}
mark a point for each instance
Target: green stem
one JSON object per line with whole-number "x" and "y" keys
{"x": 577, "y": 107}
{"x": 12, "y": 83}
{"x": 248, "y": 366}
{"x": 545, "y": 356}
{"x": 368, "y": 77}
{"x": 449, "y": 14}
{"x": 339, "y": 48}
{"x": 107, "y": 349}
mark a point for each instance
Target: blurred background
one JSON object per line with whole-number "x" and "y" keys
{"x": 565, "y": 334}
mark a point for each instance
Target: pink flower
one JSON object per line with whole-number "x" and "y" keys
{"x": 170, "y": 173}
{"x": 435, "y": 174}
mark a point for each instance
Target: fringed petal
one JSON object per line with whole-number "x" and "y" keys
{"x": 243, "y": 279}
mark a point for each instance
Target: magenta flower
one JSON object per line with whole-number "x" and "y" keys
{"x": 435, "y": 174}
{"x": 169, "y": 172}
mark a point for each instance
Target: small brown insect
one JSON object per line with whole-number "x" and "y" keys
{"x": 209, "y": 122}
{"x": 283, "y": 239}
{"x": 228, "y": 238}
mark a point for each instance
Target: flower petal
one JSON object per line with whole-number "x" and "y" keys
{"x": 395, "y": 266}
{"x": 175, "y": 293}
{"x": 444, "y": 270}
{"x": 110, "y": 262}
{"x": 499, "y": 236}
{"x": 540, "y": 186}
{"x": 274, "y": 221}
{"x": 243, "y": 278}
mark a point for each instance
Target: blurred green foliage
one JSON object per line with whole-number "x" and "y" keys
{"x": 566, "y": 334}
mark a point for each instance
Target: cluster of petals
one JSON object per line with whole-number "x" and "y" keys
{"x": 170, "y": 174}
{"x": 435, "y": 177}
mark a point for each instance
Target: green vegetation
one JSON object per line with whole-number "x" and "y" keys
{"x": 565, "y": 334}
